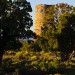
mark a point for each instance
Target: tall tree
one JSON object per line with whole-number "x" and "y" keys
{"x": 59, "y": 28}
{"x": 66, "y": 38}
{"x": 15, "y": 20}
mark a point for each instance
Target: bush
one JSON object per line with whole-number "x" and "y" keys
{"x": 7, "y": 62}
{"x": 33, "y": 58}
{"x": 10, "y": 52}
{"x": 53, "y": 64}
{"x": 26, "y": 46}
{"x": 22, "y": 54}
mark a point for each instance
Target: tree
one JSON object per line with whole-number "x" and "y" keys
{"x": 66, "y": 32}
{"x": 58, "y": 29}
{"x": 66, "y": 38}
{"x": 15, "y": 20}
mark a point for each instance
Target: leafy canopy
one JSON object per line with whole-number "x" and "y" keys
{"x": 15, "y": 20}
{"x": 59, "y": 19}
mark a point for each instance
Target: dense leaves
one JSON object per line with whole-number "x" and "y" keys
{"x": 59, "y": 29}
{"x": 15, "y": 20}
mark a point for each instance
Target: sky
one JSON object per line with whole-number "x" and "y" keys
{"x": 49, "y": 2}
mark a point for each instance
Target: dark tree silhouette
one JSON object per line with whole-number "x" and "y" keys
{"x": 66, "y": 39}
{"x": 15, "y": 20}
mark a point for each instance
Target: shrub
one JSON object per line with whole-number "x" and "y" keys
{"x": 33, "y": 58}
{"x": 10, "y": 52}
{"x": 53, "y": 64}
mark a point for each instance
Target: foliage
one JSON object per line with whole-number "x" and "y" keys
{"x": 26, "y": 46}
{"x": 15, "y": 21}
{"x": 37, "y": 62}
{"x": 10, "y": 52}
{"x": 35, "y": 46}
{"x": 66, "y": 39}
{"x": 58, "y": 29}
{"x": 48, "y": 37}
